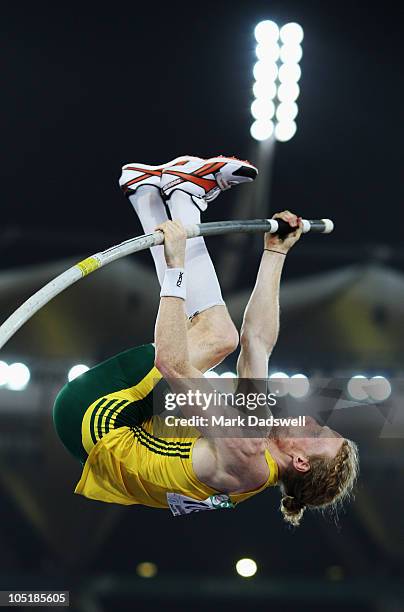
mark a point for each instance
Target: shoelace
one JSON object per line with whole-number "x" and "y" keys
{"x": 221, "y": 181}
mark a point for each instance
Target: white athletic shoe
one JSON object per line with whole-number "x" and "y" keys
{"x": 204, "y": 179}
{"x": 135, "y": 175}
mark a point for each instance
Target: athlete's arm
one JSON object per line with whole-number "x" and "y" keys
{"x": 239, "y": 463}
{"x": 172, "y": 354}
{"x": 260, "y": 328}
{"x": 230, "y": 463}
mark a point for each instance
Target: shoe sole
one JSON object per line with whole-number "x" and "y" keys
{"x": 176, "y": 161}
{"x": 186, "y": 158}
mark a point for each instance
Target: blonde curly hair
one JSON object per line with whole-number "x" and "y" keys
{"x": 325, "y": 485}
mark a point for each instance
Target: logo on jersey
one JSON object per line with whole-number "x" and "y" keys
{"x": 181, "y": 504}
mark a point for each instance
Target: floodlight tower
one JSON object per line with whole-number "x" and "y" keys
{"x": 274, "y": 110}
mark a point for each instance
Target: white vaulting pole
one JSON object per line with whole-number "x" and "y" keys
{"x": 140, "y": 243}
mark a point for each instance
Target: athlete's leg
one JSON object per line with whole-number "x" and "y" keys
{"x": 212, "y": 335}
{"x": 150, "y": 209}
{"x": 117, "y": 392}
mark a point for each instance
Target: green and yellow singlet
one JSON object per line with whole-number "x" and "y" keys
{"x": 125, "y": 462}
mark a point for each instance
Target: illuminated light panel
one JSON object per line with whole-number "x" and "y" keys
{"x": 379, "y": 388}
{"x": 356, "y": 387}
{"x": 146, "y": 569}
{"x": 289, "y": 73}
{"x": 268, "y": 52}
{"x": 18, "y": 376}
{"x": 288, "y": 92}
{"x": 265, "y": 71}
{"x": 76, "y": 371}
{"x": 291, "y": 54}
{"x": 285, "y": 130}
{"x": 263, "y": 89}
{"x": 211, "y": 374}
{"x": 262, "y": 130}
{"x": 266, "y": 30}
{"x": 286, "y": 111}
{"x": 291, "y": 33}
{"x": 246, "y": 568}
{"x": 299, "y": 385}
{"x": 262, "y": 109}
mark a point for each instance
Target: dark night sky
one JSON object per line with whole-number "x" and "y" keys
{"x": 86, "y": 89}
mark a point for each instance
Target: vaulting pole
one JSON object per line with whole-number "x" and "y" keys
{"x": 140, "y": 243}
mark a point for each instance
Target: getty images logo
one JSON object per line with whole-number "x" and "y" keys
{"x": 179, "y": 281}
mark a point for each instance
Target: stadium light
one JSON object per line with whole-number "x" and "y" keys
{"x": 76, "y": 371}
{"x": 356, "y": 387}
{"x": 211, "y": 374}
{"x": 279, "y": 375}
{"x": 265, "y": 71}
{"x": 285, "y": 130}
{"x": 288, "y": 92}
{"x": 286, "y": 111}
{"x": 289, "y": 73}
{"x": 291, "y": 54}
{"x": 379, "y": 388}
{"x": 291, "y": 33}
{"x": 146, "y": 569}
{"x": 262, "y": 109}
{"x": 278, "y": 383}
{"x": 262, "y": 130}
{"x": 246, "y": 568}
{"x": 264, "y": 90}
{"x": 299, "y": 385}
{"x": 266, "y": 31}
{"x": 18, "y": 376}
{"x": 228, "y": 375}
{"x": 269, "y": 51}
{"x": 276, "y": 74}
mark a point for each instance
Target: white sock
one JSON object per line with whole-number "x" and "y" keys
{"x": 203, "y": 289}
{"x": 150, "y": 209}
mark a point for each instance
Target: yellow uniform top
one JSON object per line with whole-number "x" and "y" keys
{"x": 133, "y": 466}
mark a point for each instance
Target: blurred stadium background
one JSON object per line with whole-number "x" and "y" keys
{"x": 88, "y": 90}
